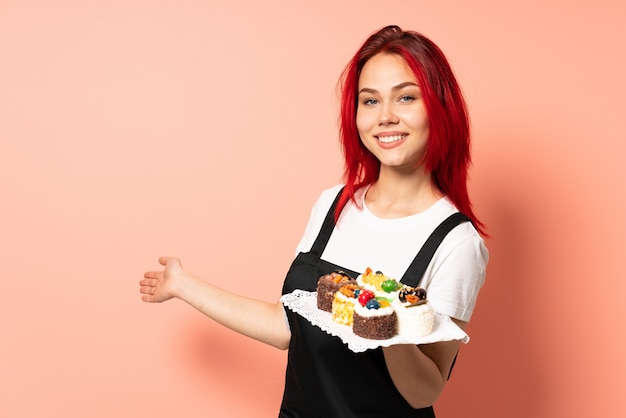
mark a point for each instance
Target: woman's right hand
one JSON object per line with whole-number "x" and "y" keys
{"x": 257, "y": 319}
{"x": 159, "y": 286}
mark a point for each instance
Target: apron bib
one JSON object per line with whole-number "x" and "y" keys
{"x": 324, "y": 379}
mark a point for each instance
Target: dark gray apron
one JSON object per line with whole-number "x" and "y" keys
{"x": 324, "y": 379}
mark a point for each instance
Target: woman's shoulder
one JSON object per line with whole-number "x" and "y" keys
{"x": 464, "y": 232}
{"x": 326, "y": 198}
{"x": 331, "y": 192}
{"x": 318, "y": 213}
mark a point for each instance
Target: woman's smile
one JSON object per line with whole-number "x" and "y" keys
{"x": 389, "y": 139}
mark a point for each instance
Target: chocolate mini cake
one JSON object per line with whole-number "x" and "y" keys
{"x": 327, "y": 285}
{"x": 375, "y": 324}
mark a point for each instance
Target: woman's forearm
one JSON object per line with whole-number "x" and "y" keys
{"x": 421, "y": 372}
{"x": 257, "y": 319}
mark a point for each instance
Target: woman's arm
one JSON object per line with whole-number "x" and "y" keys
{"x": 260, "y": 320}
{"x": 420, "y": 372}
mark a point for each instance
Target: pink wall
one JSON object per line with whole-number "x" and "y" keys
{"x": 132, "y": 129}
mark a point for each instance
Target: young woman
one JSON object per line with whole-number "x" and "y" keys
{"x": 405, "y": 137}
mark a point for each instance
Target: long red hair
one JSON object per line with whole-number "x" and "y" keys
{"x": 447, "y": 155}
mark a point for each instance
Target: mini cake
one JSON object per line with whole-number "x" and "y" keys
{"x": 343, "y": 304}
{"x": 374, "y": 319}
{"x": 327, "y": 285}
{"x": 382, "y": 286}
{"x": 416, "y": 317}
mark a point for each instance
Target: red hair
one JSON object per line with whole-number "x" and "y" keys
{"x": 447, "y": 155}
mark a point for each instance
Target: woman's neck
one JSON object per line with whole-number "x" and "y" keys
{"x": 397, "y": 195}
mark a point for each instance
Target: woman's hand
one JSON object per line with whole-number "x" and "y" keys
{"x": 159, "y": 286}
{"x": 257, "y": 319}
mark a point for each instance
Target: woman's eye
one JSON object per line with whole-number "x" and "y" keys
{"x": 407, "y": 98}
{"x": 369, "y": 102}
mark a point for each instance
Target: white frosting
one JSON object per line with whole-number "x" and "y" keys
{"x": 414, "y": 321}
{"x": 344, "y": 298}
{"x": 370, "y": 313}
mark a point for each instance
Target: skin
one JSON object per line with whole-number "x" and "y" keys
{"x": 257, "y": 319}
{"x": 393, "y": 125}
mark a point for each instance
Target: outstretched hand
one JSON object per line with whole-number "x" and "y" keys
{"x": 159, "y": 286}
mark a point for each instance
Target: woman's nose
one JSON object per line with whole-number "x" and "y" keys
{"x": 387, "y": 115}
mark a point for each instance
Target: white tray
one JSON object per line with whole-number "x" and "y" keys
{"x": 305, "y": 304}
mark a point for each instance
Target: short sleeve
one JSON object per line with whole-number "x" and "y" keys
{"x": 457, "y": 274}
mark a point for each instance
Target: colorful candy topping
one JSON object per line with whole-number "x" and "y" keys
{"x": 365, "y": 295}
{"x": 373, "y": 279}
{"x": 383, "y": 302}
{"x": 412, "y": 295}
{"x": 349, "y": 290}
{"x": 379, "y": 281}
{"x": 390, "y": 285}
{"x": 338, "y": 276}
{"x": 372, "y": 304}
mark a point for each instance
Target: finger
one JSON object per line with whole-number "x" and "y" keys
{"x": 146, "y": 298}
{"x": 147, "y": 290}
{"x": 148, "y": 282}
{"x": 151, "y": 274}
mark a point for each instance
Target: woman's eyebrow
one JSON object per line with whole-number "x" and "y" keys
{"x": 394, "y": 88}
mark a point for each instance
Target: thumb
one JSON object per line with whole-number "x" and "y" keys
{"x": 165, "y": 260}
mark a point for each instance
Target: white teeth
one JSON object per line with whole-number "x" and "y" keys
{"x": 389, "y": 139}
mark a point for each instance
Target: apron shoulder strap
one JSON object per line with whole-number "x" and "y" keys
{"x": 327, "y": 228}
{"x": 415, "y": 272}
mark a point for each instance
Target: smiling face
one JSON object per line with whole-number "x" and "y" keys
{"x": 391, "y": 117}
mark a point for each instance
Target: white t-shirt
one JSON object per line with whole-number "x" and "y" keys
{"x": 360, "y": 240}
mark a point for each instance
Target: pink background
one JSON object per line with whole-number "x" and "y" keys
{"x": 131, "y": 129}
